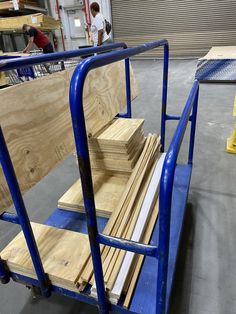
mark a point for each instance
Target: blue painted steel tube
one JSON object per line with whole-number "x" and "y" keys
{"x": 164, "y": 96}
{"x": 128, "y": 245}
{"x": 9, "y": 217}
{"x": 14, "y": 63}
{"x": 79, "y": 128}
{"x": 10, "y": 176}
{"x": 166, "y": 187}
{"x": 193, "y": 129}
{"x": 128, "y": 89}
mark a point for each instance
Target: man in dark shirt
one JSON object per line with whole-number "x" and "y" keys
{"x": 38, "y": 38}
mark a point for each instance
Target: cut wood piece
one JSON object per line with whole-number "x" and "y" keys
{"x": 149, "y": 201}
{"x": 108, "y": 189}
{"x": 38, "y": 130}
{"x": 135, "y": 269}
{"x": 121, "y": 131}
{"x": 62, "y": 253}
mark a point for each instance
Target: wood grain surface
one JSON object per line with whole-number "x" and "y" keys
{"x": 36, "y": 121}
{"x": 62, "y": 253}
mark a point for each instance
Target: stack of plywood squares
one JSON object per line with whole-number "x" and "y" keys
{"x": 113, "y": 154}
{"x": 118, "y": 147}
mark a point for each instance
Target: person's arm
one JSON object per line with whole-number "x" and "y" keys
{"x": 100, "y": 37}
{"x": 29, "y": 46}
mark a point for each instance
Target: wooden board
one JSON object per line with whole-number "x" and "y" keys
{"x": 36, "y": 121}
{"x": 61, "y": 251}
{"x": 108, "y": 189}
{"x": 222, "y": 52}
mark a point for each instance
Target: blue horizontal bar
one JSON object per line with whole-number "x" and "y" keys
{"x": 9, "y": 217}
{"x": 128, "y": 245}
{"x": 15, "y": 63}
{"x": 168, "y": 117}
{"x": 80, "y": 296}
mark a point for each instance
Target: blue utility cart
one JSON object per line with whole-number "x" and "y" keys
{"x": 153, "y": 290}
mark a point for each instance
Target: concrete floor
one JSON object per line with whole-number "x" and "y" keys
{"x": 205, "y": 280}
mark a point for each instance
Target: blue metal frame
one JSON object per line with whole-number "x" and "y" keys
{"x": 76, "y": 105}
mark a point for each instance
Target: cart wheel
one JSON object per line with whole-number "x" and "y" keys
{"x": 35, "y": 293}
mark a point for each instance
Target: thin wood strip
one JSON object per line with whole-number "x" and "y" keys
{"x": 131, "y": 283}
{"x": 112, "y": 275}
{"x": 149, "y": 201}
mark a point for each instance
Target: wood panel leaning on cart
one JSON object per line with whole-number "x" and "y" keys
{"x": 38, "y": 128}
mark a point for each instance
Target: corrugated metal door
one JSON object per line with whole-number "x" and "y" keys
{"x": 192, "y": 27}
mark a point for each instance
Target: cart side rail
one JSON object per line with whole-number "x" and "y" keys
{"x": 81, "y": 143}
{"x": 166, "y": 188}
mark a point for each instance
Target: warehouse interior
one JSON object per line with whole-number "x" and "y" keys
{"x": 202, "y": 58}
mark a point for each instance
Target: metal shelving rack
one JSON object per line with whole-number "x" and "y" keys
{"x": 161, "y": 254}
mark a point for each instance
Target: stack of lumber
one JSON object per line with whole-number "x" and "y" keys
{"x": 113, "y": 154}
{"x": 118, "y": 147}
{"x": 127, "y": 216}
{"x": 66, "y": 255}
{"x": 59, "y": 249}
{"x": 38, "y": 20}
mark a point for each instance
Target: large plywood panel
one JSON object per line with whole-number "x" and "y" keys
{"x": 36, "y": 121}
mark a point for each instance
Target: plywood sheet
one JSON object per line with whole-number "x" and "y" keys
{"x": 61, "y": 251}
{"x": 221, "y": 52}
{"x": 108, "y": 189}
{"x": 36, "y": 121}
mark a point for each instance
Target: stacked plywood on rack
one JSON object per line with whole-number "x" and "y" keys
{"x": 113, "y": 154}
{"x": 118, "y": 147}
{"x": 131, "y": 214}
{"x": 66, "y": 255}
{"x": 38, "y": 20}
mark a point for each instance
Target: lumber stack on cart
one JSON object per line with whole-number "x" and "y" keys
{"x": 113, "y": 154}
{"x": 66, "y": 255}
{"x": 126, "y": 218}
{"x": 118, "y": 147}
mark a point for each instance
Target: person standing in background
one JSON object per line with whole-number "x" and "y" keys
{"x": 98, "y": 27}
{"x": 38, "y": 38}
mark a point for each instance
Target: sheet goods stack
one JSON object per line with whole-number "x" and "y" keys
{"x": 130, "y": 220}
{"x": 118, "y": 147}
{"x": 113, "y": 154}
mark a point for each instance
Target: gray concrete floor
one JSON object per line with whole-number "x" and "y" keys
{"x": 205, "y": 281}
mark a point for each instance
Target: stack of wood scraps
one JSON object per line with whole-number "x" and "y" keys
{"x": 117, "y": 148}
{"x": 126, "y": 216}
{"x": 113, "y": 154}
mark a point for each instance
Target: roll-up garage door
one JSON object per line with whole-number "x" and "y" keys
{"x": 192, "y": 27}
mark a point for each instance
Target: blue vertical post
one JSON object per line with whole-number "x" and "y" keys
{"x": 164, "y": 95}
{"x": 193, "y": 128}
{"x": 81, "y": 143}
{"x": 128, "y": 88}
{"x": 165, "y": 197}
{"x": 13, "y": 185}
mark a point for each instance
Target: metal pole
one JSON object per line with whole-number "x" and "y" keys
{"x": 128, "y": 89}
{"x": 10, "y": 176}
{"x": 81, "y": 143}
{"x": 164, "y": 96}
{"x": 193, "y": 129}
